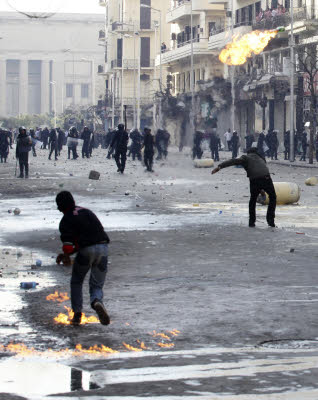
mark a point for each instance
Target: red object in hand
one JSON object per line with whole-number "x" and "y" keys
{"x": 68, "y": 249}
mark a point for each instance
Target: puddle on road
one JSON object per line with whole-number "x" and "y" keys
{"x": 38, "y": 378}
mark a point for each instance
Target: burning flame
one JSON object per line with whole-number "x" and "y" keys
{"x": 166, "y": 345}
{"x": 160, "y": 334}
{"x": 66, "y": 319}
{"x": 174, "y": 332}
{"x": 142, "y": 345}
{"x": 128, "y": 347}
{"x": 94, "y": 350}
{"x": 237, "y": 52}
{"x": 59, "y": 297}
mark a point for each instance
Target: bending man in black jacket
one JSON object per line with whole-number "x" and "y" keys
{"x": 82, "y": 233}
{"x": 260, "y": 180}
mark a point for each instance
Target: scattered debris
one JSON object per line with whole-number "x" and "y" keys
{"x": 17, "y": 211}
{"x": 94, "y": 175}
{"x": 313, "y": 181}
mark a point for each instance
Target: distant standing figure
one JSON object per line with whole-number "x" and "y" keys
{"x": 120, "y": 143}
{"x": 228, "y": 137}
{"x": 24, "y": 144}
{"x": 287, "y": 145}
{"x": 4, "y": 146}
{"x": 304, "y": 146}
{"x": 149, "y": 142}
{"x": 53, "y": 144}
{"x": 235, "y": 144}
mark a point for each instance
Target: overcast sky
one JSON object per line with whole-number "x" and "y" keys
{"x": 79, "y": 6}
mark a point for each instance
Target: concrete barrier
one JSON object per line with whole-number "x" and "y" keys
{"x": 205, "y": 163}
{"x": 286, "y": 192}
{"x": 313, "y": 181}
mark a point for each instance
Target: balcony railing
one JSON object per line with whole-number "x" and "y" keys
{"x": 276, "y": 18}
{"x": 132, "y": 64}
{"x": 179, "y": 3}
{"x": 131, "y": 26}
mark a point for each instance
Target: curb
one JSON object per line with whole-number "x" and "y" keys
{"x": 308, "y": 166}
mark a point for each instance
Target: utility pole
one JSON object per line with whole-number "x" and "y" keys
{"x": 292, "y": 68}
{"x": 192, "y": 115}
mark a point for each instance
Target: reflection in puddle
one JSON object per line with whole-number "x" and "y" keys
{"x": 41, "y": 378}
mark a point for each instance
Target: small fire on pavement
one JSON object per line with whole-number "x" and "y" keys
{"x": 59, "y": 297}
{"x": 242, "y": 48}
{"x": 65, "y": 319}
{"x": 165, "y": 345}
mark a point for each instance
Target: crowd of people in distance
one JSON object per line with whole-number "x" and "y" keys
{"x": 116, "y": 141}
{"x": 267, "y": 144}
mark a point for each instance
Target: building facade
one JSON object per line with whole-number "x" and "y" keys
{"x": 49, "y": 64}
{"x": 132, "y": 34}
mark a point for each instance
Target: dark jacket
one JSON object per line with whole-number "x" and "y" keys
{"x": 81, "y": 227}
{"x": 149, "y": 142}
{"x": 24, "y": 144}
{"x": 120, "y": 140}
{"x": 254, "y": 165}
{"x": 53, "y": 136}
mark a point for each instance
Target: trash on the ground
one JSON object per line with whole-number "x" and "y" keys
{"x": 196, "y": 205}
{"x": 127, "y": 193}
{"x": 28, "y": 285}
{"x": 313, "y": 181}
{"x": 286, "y": 192}
{"x": 94, "y": 175}
{"x": 38, "y": 263}
{"x": 10, "y": 211}
{"x": 292, "y": 250}
{"x": 205, "y": 163}
{"x": 17, "y": 211}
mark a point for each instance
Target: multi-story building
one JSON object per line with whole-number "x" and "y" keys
{"x": 49, "y": 64}
{"x": 133, "y": 29}
{"x": 262, "y": 95}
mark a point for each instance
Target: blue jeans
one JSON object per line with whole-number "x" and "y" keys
{"x": 92, "y": 258}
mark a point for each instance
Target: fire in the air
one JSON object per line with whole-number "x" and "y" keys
{"x": 241, "y": 48}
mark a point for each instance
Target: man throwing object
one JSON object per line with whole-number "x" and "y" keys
{"x": 82, "y": 233}
{"x": 260, "y": 181}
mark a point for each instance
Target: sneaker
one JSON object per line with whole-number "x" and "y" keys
{"x": 100, "y": 309}
{"x": 272, "y": 225}
{"x": 76, "y": 320}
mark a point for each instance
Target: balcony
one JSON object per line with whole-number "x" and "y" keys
{"x": 304, "y": 19}
{"x": 221, "y": 36}
{"x": 182, "y": 9}
{"x": 200, "y": 47}
{"x": 132, "y": 26}
{"x": 102, "y": 3}
{"x": 101, "y": 35}
{"x": 132, "y": 64}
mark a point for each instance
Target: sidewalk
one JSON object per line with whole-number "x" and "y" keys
{"x": 300, "y": 164}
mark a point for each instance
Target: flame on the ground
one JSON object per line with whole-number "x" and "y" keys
{"x": 142, "y": 345}
{"x": 94, "y": 350}
{"x": 59, "y": 297}
{"x": 174, "y": 332}
{"x": 166, "y": 345}
{"x": 131, "y": 348}
{"x": 65, "y": 319}
{"x": 242, "y": 48}
{"x": 160, "y": 334}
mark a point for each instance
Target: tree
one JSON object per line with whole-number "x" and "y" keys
{"x": 308, "y": 65}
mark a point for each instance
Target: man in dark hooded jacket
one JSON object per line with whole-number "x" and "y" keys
{"x": 86, "y": 137}
{"x": 260, "y": 181}
{"x": 119, "y": 143}
{"x": 53, "y": 144}
{"x": 24, "y": 145}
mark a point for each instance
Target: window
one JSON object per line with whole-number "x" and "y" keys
{"x": 84, "y": 90}
{"x": 69, "y": 90}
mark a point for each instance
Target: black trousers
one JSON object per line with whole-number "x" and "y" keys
{"x": 148, "y": 160}
{"x": 287, "y": 151}
{"x": 73, "y": 150}
{"x": 215, "y": 153}
{"x": 120, "y": 158}
{"x": 24, "y": 164}
{"x": 234, "y": 152}
{"x": 53, "y": 149}
{"x": 256, "y": 185}
{"x": 197, "y": 152}
{"x": 85, "y": 149}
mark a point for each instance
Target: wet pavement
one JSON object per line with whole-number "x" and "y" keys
{"x": 201, "y": 306}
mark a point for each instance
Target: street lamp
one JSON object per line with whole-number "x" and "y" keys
{"x": 93, "y": 86}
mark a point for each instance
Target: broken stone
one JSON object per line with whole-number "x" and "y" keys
{"x": 127, "y": 193}
{"x": 94, "y": 175}
{"x": 292, "y": 250}
{"x": 313, "y": 181}
{"x": 17, "y": 211}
